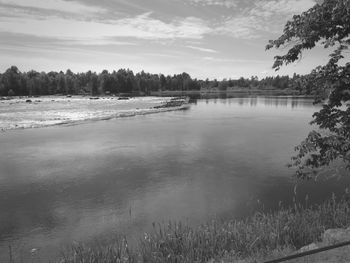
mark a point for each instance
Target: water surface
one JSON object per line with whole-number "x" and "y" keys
{"x": 221, "y": 158}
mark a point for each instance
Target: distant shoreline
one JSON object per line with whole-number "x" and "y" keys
{"x": 261, "y": 92}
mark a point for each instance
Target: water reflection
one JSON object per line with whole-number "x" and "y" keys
{"x": 283, "y": 101}
{"x": 65, "y": 184}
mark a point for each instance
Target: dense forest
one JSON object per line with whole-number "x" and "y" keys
{"x": 16, "y": 83}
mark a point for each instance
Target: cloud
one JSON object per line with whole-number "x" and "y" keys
{"x": 61, "y": 9}
{"x": 233, "y": 60}
{"x": 266, "y": 16}
{"x": 203, "y": 49}
{"x": 14, "y": 11}
{"x": 28, "y": 45}
{"x": 223, "y": 3}
{"x": 281, "y": 7}
{"x": 57, "y": 5}
{"x": 103, "y": 41}
{"x": 140, "y": 33}
{"x": 242, "y": 27}
{"x": 70, "y": 19}
{"x": 141, "y": 26}
{"x": 189, "y": 27}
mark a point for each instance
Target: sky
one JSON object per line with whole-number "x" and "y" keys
{"x": 205, "y": 38}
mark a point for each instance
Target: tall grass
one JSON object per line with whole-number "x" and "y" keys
{"x": 260, "y": 234}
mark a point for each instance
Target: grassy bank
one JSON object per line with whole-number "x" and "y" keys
{"x": 258, "y": 236}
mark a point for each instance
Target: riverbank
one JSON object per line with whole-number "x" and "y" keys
{"x": 260, "y": 237}
{"x": 21, "y": 113}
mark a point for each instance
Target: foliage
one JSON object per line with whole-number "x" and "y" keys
{"x": 223, "y": 241}
{"x": 34, "y": 83}
{"x": 326, "y": 24}
{"x": 11, "y": 93}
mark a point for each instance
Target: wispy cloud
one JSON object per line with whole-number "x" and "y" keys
{"x": 39, "y": 44}
{"x": 233, "y": 60}
{"x": 223, "y": 3}
{"x": 208, "y": 50}
{"x": 242, "y": 27}
{"x": 58, "y": 5}
{"x": 31, "y": 16}
{"x": 266, "y": 16}
{"x": 281, "y": 7}
{"x": 224, "y": 35}
{"x": 139, "y": 27}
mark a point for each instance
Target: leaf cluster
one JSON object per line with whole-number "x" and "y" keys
{"x": 327, "y": 24}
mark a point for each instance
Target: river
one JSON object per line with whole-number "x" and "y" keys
{"x": 223, "y": 158}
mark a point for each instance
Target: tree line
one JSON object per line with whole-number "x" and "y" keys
{"x": 13, "y": 82}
